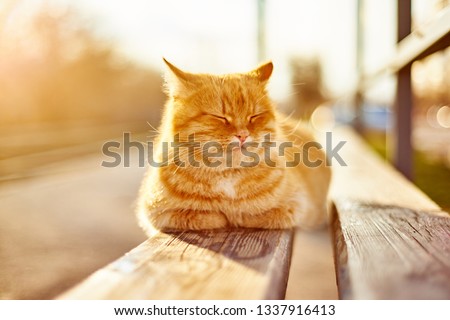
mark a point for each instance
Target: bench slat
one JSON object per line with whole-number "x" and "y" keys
{"x": 234, "y": 264}
{"x": 391, "y": 240}
{"x": 420, "y": 43}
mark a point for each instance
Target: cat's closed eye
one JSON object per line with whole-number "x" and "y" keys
{"x": 221, "y": 118}
{"x": 255, "y": 117}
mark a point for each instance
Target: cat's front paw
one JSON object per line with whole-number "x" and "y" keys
{"x": 275, "y": 218}
{"x": 188, "y": 220}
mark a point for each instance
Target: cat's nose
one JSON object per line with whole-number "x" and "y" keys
{"x": 242, "y": 136}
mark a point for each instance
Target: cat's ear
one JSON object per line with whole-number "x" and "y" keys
{"x": 177, "y": 80}
{"x": 263, "y": 72}
{"x": 181, "y": 75}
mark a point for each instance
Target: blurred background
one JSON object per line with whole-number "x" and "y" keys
{"x": 74, "y": 74}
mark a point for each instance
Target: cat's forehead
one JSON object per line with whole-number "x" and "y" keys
{"x": 237, "y": 82}
{"x": 238, "y": 96}
{"x": 235, "y": 93}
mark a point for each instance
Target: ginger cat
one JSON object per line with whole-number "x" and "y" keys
{"x": 229, "y": 116}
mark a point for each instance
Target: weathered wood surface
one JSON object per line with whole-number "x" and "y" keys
{"x": 233, "y": 264}
{"x": 391, "y": 240}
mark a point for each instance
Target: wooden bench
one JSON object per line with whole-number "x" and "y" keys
{"x": 390, "y": 242}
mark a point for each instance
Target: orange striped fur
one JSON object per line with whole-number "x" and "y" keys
{"x": 218, "y": 108}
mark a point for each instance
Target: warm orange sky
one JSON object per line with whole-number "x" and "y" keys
{"x": 220, "y": 35}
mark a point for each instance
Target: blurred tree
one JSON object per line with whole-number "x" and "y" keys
{"x": 56, "y": 70}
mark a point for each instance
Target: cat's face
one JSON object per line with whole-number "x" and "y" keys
{"x": 231, "y": 110}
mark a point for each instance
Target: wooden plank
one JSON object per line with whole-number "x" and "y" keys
{"x": 312, "y": 276}
{"x": 419, "y": 44}
{"x": 233, "y": 264}
{"x": 391, "y": 240}
{"x": 423, "y": 41}
{"x": 368, "y": 178}
{"x": 389, "y": 252}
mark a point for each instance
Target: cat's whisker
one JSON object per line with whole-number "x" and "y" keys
{"x": 260, "y": 98}
{"x": 178, "y": 167}
{"x": 152, "y": 137}
{"x": 152, "y": 127}
{"x": 286, "y": 118}
{"x": 290, "y": 94}
{"x": 299, "y": 122}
